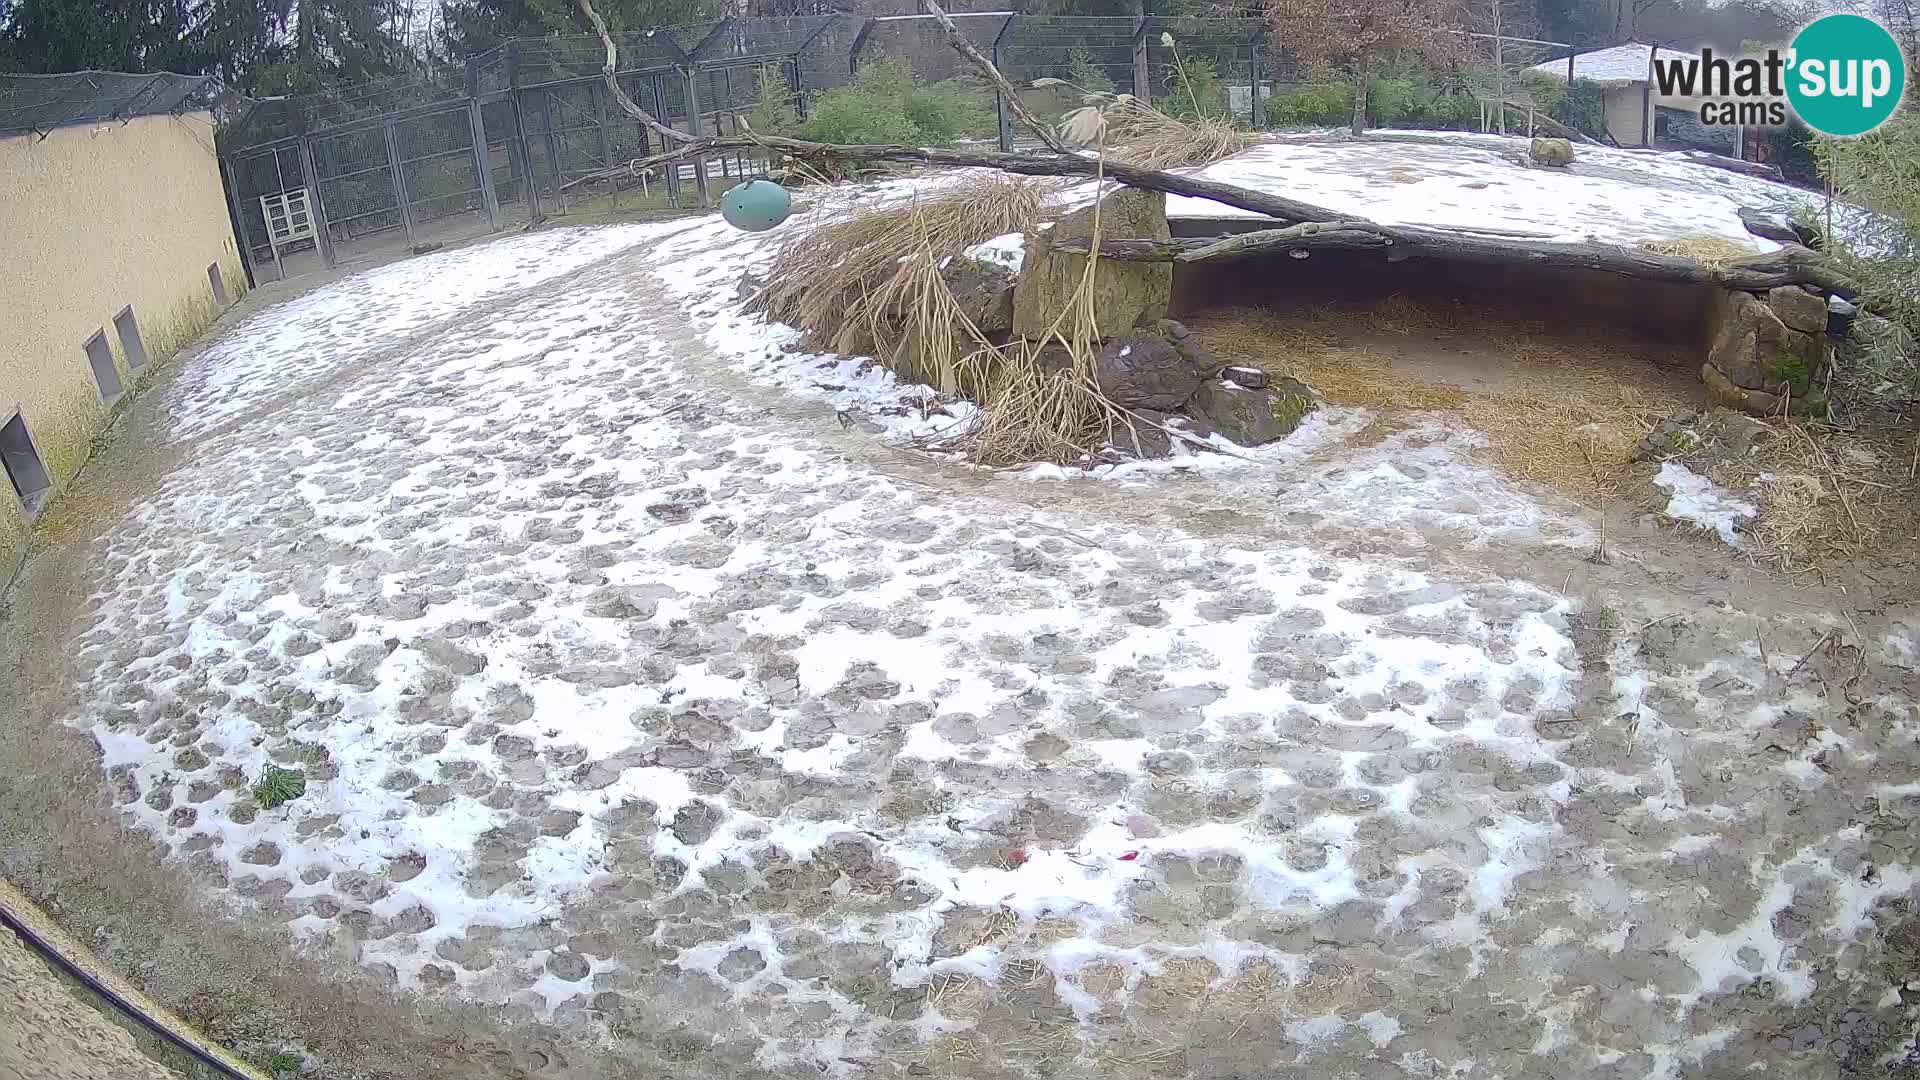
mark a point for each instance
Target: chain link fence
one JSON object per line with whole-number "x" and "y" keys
{"x": 530, "y": 130}
{"x": 37, "y": 104}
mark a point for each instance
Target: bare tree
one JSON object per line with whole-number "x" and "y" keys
{"x": 1903, "y": 18}
{"x": 1350, "y": 35}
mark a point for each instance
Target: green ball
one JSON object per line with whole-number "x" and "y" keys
{"x": 756, "y": 206}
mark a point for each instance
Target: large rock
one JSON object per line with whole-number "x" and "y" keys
{"x": 1799, "y": 309}
{"x": 1723, "y": 391}
{"x": 1143, "y": 435}
{"x": 1251, "y": 417}
{"x": 1125, "y": 294}
{"x": 1149, "y": 371}
{"x": 1556, "y": 152}
{"x": 1754, "y": 350}
{"x": 984, "y": 291}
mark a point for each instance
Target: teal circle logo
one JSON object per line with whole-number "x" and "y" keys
{"x": 1847, "y": 75}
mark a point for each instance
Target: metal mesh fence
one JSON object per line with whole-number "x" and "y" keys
{"x": 530, "y": 128}
{"x": 44, "y": 102}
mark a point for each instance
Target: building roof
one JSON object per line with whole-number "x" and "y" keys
{"x": 1615, "y": 66}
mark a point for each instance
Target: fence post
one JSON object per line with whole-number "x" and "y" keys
{"x": 606, "y": 144}
{"x": 316, "y": 206}
{"x": 691, "y": 73}
{"x": 1142, "y": 85}
{"x": 672, "y": 173}
{"x": 1570, "y": 109}
{"x": 399, "y": 183}
{"x": 483, "y": 165}
{"x": 517, "y": 144}
{"x": 1000, "y": 110}
{"x": 553, "y": 152}
{"x": 1258, "y": 114}
{"x": 236, "y": 211}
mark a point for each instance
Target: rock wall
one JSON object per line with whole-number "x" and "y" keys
{"x": 1768, "y": 353}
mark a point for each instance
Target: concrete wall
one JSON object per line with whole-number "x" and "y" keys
{"x": 94, "y": 218}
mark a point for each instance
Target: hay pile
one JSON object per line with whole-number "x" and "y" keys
{"x": 1826, "y": 494}
{"x": 1573, "y": 429}
{"x": 1151, "y": 139}
{"x": 1705, "y": 249}
{"x": 870, "y": 285}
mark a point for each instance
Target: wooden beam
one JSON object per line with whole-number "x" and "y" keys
{"x": 1789, "y": 266}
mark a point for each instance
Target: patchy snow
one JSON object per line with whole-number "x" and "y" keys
{"x": 1471, "y": 181}
{"x": 633, "y": 689}
{"x": 311, "y": 338}
{"x": 1009, "y": 251}
{"x": 516, "y": 641}
{"x": 1702, "y": 502}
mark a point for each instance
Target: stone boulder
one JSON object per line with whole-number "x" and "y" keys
{"x": 984, "y": 291}
{"x": 1799, "y": 309}
{"x": 1251, "y": 417}
{"x": 1126, "y": 294}
{"x": 1144, "y": 436}
{"x": 1555, "y": 152}
{"x": 1757, "y": 361}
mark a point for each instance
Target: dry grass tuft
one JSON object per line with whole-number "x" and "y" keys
{"x": 1704, "y": 249}
{"x": 1572, "y": 427}
{"x": 1151, "y": 139}
{"x": 870, "y": 284}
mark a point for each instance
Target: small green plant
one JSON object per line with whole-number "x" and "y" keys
{"x": 277, "y": 786}
{"x": 280, "y": 1064}
{"x": 773, "y": 111}
{"x": 1085, "y": 74}
{"x": 1606, "y": 618}
{"x": 1197, "y": 94}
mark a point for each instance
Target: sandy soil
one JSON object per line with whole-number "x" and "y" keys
{"x": 656, "y": 721}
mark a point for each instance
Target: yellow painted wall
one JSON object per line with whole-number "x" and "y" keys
{"x": 95, "y": 217}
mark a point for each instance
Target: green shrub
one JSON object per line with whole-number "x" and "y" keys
{"x": 1311, "y": 105}
{"x": 848, "y": 114}
{"x": 1881, "y": 172}
{"x": 947, "y": 110}
{"x": 885, "y": 106}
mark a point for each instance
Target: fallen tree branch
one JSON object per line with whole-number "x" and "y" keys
{"x": 966, "y": 48}
{"x": 1541, "y": 119}
{"x": 1259, "y": 202}
{"x": 1788, "y": 266}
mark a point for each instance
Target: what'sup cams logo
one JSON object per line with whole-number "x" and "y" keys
{"x": 1843, "y": 75}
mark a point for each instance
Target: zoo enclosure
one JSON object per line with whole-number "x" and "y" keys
{"x": 529, "y": 129}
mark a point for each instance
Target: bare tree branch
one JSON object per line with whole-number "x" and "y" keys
{"x": 627, "y": 104}
{"x": 966, "y": 49}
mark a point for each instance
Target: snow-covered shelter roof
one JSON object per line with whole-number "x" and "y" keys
{"x": 1615, "y": 66}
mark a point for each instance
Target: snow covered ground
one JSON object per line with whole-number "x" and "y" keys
{"x": 636, "y": 693}
{"x": 1465, "y": 180}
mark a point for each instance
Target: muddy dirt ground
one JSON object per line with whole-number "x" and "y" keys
{"x": 654, "y": 721}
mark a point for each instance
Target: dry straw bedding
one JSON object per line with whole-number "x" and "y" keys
{"x": 1573, "y": 429}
